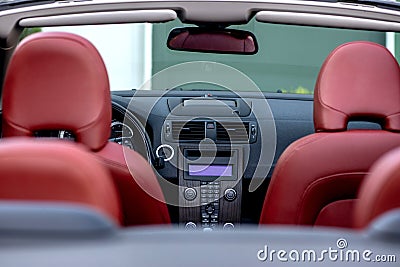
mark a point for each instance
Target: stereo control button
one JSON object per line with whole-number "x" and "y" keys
{"x": 190, "y": 226}
{"x": 230, "y": 194}
{"x": 190, "y": 194}
{"x": 210, "y": 209}
{"x": 228, "y": 226}
{"x": 214, "y": 221}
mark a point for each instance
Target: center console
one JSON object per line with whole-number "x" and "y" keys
{"x": 208, "y": 153}
{"x": 210, "y": 187}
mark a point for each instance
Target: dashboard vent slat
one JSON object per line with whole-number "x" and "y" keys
{"x": 233, "y": 131}
{"x": 188, "y": 131}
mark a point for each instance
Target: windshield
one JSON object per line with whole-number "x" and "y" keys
{"x": 288, "y": 60}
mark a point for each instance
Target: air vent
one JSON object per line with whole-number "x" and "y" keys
{"x": 188, "y": 131}
{"x": 233, "y": 131}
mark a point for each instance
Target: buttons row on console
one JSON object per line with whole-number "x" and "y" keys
{"x": 209, "y": 226}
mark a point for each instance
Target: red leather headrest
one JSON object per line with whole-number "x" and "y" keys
{"x": 358, "y": 80}
{"x": 54, "y": 170}
{"x": 379, "y": 191}
{"x": 57, "y": 81}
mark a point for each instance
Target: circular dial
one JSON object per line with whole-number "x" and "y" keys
{"x": 121, "y": 134}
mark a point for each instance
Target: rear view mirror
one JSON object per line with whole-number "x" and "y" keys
{"x": 210, "y": 40}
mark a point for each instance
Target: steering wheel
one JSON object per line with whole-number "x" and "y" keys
{"x": 131, "y": 133}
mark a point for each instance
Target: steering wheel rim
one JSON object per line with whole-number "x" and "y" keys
{"x": 143, "y": 146}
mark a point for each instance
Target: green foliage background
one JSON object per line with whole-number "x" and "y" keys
{"x": 28, "y": 31}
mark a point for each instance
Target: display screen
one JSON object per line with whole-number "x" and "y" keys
{"x": 210, "y": 170}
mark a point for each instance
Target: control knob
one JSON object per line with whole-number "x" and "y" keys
{"x": 190, "y": 226}
{"x": 228, "y": 226}
{"x": 190, "y": 194}
{"x": 210, "y": 209}
{"x": 230, "y": 194}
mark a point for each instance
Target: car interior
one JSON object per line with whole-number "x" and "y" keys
{"x": 199, "y": 132}
{"x": 325, "y": 193}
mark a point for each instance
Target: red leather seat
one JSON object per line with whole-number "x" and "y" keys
{"x": 317, "y": 177}
{"x": 46, "y": 170}
{"x": 379, "y": 191}
{"x": 58, "y": 81}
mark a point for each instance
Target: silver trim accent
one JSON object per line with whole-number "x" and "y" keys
{"x": 326, "y": 20}
{"x": 228, "y": 226}
{"x": 190, "y": 225}
{"x": 190, "y": 194}
{"x": 110, "y": 17}
{"x": 226, "y": 194}
{"x": 115, "y": 122}
{"x": 165, "y": 146}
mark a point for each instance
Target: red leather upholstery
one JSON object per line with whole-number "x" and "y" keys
{"x": 380, "y": 190}
{"x": 140, "y": 192}
{"x": 58, "y": 81}
{"x": 336, "y": 214}
{"x": 46, "y": 170}
{"x": 317, "y": 177}
{"x": 358, "y": 80}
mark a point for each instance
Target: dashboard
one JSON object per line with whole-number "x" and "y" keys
{"x": 217, "y": 148}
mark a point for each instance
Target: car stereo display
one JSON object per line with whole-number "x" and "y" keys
{"x": 210, "y": 165}
{"x": 210, "y": 170}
